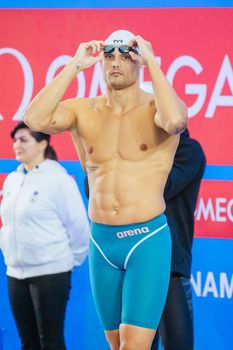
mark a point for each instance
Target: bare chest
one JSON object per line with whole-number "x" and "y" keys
{"x": 133, "y": 136}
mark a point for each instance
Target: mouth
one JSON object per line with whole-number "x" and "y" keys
{"x": 115, "y": 73}
{"x": 18, "y": 154}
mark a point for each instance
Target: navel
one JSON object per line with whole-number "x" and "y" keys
{"x": 152, "y": 103}
{"x": 90, "y": 150}
{"x": 143, "y": 147}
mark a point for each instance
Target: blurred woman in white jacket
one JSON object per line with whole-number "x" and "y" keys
{"x": 44, "y": 234}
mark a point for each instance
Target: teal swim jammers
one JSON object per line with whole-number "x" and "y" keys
{"x": 130, "y": 272}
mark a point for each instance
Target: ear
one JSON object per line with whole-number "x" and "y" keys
{"x": 43, "y": 145}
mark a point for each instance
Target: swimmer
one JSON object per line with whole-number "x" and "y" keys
{"x": 126, "y": 140}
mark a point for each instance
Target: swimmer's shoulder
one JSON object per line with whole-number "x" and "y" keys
{"x": 85, "y": 104}
{"x": 148, "y": 99}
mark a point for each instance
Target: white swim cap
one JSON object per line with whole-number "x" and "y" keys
{"x": 120, "y": 37}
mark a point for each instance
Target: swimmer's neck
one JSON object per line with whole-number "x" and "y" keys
{"x": 122, "y": 101}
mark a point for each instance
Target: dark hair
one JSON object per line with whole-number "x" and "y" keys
{"x": 49, "y": 152}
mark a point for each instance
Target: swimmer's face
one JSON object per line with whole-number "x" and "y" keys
{"x": 119, "y": 70}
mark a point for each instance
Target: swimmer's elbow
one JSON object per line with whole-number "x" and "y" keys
{"x": 34, "y": 122}
{"x": 174, "y": 122}
{"x": 179, "y": 121}
{"x": 176, "y": 126}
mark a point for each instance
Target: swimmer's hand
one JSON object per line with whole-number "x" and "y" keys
{"x": 146, "y": 52}
{"x": 89, "y": 53}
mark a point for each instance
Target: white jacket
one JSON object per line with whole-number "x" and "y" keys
{"x": 45, "y": 228}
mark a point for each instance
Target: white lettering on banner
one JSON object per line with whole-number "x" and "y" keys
{"x": 220, "y": 211}
{"x": 191, "y": 89}
{"x": 28, "y": 80}
{"x": 223, "y": 288}
{"x": 97, "y": 79}
{"x": 62, "y": 61}
{"x": 225, "y": 74}
{"x": 210, "y": 286}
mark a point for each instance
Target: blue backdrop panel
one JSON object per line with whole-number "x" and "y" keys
{"x": 212, "y": 281}
{"x": 212, "y": 299}
{"x": 212, "y": 278}
{"x": 113, "y": 4}
{"x": 212, "y": 272}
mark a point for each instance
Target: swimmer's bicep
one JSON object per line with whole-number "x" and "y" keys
{"x": 63, "y": 118}
{"x": 157, "y": 120}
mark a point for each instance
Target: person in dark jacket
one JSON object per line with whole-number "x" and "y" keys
{"x": 181, "y": 192}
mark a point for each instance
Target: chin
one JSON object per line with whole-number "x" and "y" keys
{"x": 19, "y": 159}
{"x": 118, "y": 85}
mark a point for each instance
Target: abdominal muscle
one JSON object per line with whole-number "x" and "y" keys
{"x": 123, "y": 192}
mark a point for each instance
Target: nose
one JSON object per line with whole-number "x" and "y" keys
{"x": 116, "y": 61}
{"x": 115, "y": 65}
{"x": 16, "y": 144}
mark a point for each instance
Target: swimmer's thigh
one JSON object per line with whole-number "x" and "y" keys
{"x": 106, "y": 283}
{"x": 146, "y": 281}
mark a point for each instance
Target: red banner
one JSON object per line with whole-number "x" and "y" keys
{"x": 197, "y": 59}
{"x": 194, "y": 51}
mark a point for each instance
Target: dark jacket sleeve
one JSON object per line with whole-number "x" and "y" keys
{"x": 189, "y": 163}
{"x": 86, "y": 186}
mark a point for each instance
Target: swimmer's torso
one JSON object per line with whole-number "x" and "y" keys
{"x": 127, "y": 159}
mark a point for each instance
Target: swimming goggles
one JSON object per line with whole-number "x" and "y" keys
{"x": 122, "y": 49}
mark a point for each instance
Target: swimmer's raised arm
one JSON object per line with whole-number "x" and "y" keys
{"x": 46, "y": 112}
{"x": 171, "y": 112}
